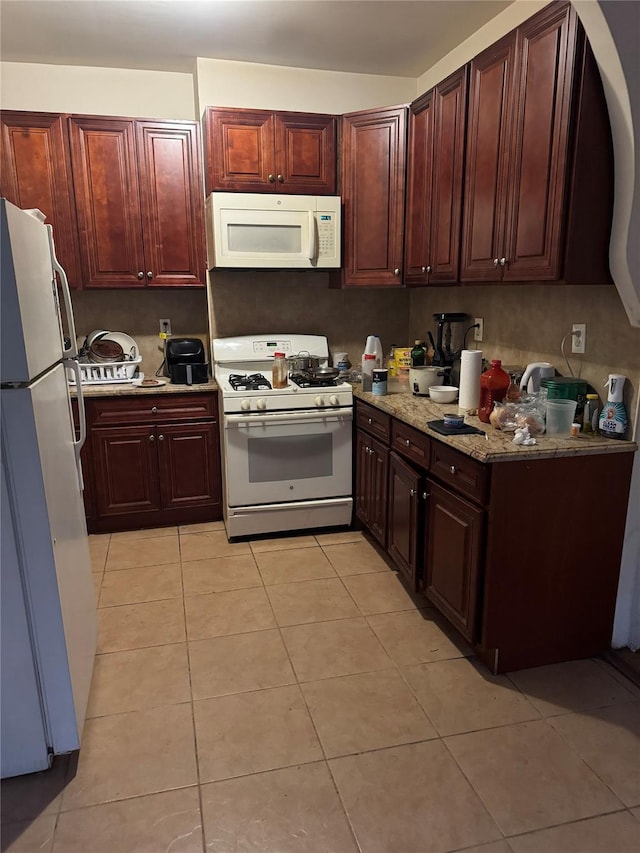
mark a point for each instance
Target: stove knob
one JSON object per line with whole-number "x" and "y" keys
{"x": 245, "y": 405}
{"x": 261, "y": 404}
{"x": 334, "y": 400}
{"x": 319, "y": 401}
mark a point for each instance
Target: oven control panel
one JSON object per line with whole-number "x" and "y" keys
{"x": 327, "y": 399}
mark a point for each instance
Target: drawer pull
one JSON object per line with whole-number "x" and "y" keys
{"x": 453, "y": 469}
{"x": 152, "y": 438}
{"x": 407, "y": 442}
{"x": 412, "y": 493}
{"x": 154, "y": 410}
{"x": 160, "y": 437}
{"x": 370, "y": 420}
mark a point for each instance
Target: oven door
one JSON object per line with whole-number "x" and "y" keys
{"x": 287, "y": 456}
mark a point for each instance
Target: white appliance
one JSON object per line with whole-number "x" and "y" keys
{"x": 265, "y": 230}
{"x": 48, "y": 618}
{"x": 287, "y": 452}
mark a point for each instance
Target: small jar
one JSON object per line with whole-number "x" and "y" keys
{"x": 279, "y": 374}
{"x": 575, "y": 430}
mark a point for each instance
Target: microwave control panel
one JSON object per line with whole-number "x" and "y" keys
{"x": 326, "y": 235}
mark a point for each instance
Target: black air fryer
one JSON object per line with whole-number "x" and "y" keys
{"x": 185, "y": 362}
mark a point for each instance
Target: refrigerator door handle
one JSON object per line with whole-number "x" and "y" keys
{"x": 72, "y": 350}
{"x": 72, "y": 364}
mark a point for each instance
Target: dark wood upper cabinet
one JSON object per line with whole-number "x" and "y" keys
{"x": 262, "y": 151}
{"x": 373, "y": 194}
{"x": 434, "y": 183}
{"x": 538, "y": 187}
{"x": 36, "y": 172}
{"x": 139, "y": 202}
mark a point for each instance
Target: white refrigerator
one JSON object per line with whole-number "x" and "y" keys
{"x": 48, "y": 613}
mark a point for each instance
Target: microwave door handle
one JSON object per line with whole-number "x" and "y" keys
{"x": 311, "y": 254}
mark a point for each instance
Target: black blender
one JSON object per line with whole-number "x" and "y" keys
{"x": 448, "y": 344}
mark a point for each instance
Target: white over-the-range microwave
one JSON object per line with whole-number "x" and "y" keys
{"x": 257, "y": 231}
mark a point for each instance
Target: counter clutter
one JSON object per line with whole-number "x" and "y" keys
{"x": 494, "y": 445}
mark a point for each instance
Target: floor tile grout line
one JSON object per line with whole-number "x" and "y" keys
{"x": 193, "y": 713}
{"x": 563, "y": 823}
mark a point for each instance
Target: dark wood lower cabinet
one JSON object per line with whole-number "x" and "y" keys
{"x": 403, "y": 518}
{"x": 452, "y": 558}
{"x": 149, "y": 467}
{"x": 518, "y": 555}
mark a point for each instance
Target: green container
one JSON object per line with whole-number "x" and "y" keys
{"x": 567, "y": 388}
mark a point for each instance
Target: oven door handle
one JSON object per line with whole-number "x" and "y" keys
{"x": 344, "y": 414}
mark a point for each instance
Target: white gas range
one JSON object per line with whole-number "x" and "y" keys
{"x": 287, "y": 452}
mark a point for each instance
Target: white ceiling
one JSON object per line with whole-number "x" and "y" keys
{"x": 391, "y": 37}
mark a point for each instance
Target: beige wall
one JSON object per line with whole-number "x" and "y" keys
{"x": 97, "y": 91}
{"x": 221, "y": 83}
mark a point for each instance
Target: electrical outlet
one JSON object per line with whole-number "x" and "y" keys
{"x": 165, "y": 327}
{"x": 579, "y": 341}
{"x": 478, "y": 332}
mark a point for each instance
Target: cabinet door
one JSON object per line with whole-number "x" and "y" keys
{"x": 491, "y": 87}
{"x": 105, "y": 178}
{"x": 240, "y": 150}
{"x": 372, "y": 459}
{"x": 36, "y": 172}
{"x": 170, "y": 180}
{"x": 305, "y": 154}
{"x": 125, "y": 463}
{"x": 453, "y": 542}
{"x": 419, "y": 178}
{"x": 189, "y": 466}
{"x": 434, "y": 184}
{"x": 536, "y": 199}
{"x": 373, "y": 183}
{"x": 403, "y": 518}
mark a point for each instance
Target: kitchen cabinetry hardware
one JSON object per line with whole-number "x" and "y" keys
{"x": 36, "y": 173}
{"x": 434, "y": 183}
{"x": 137, "y": 186}
{"x": 545, "y": 207}
{"x": 141, "y": 275}
{"x": 264, "y": 151}
{"x": 407, "y": 442}
{"x": 452, "y": 547}
{"x": 413, "y": 492}
{"x": 151, "y": 467}
{"x": 149, "y": 275}
{"x": 373, "y": 169}
{"x": 496, "y": 262}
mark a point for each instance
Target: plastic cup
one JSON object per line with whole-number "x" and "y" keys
{"x": 560, "y": 414}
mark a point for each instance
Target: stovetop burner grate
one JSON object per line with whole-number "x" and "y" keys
{"x": 307, "y": 382}
{"x": 249, "y": 382}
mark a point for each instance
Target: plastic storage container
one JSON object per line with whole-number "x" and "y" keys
{"x": 493, "y": 387}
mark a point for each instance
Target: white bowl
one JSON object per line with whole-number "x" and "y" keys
{"x": 443, "y": 393}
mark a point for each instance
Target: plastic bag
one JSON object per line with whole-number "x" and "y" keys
{"x": 529, "y": 412}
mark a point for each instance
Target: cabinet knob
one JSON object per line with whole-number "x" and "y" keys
{"x": 370, "y": 420}
{"x": 453, "y": 469}
{"x": 412, "y": 493}
{"x": 495, "y": 262}
{"x": 154, "y": 410}
{"x": 396, "y": 271}
{"x": 149, "y": 274}
{"x": 424, "y": 269}
{"x": 152, "y": 437}
{"x": 271, "y": 179}
{"x": 280, "y": 179}
{"x": 503, "y": 261}
{"x": 425, "y": 495}
{"x": 141, "y": 275}
{"x": 428, "y": 267}
{"x": 160, "y": 437}
{"x": 407, "y": 442}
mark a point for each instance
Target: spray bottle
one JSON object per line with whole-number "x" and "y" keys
{"x": 613, "y": 417}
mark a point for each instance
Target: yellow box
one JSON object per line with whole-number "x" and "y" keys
{"x": 402, "y": 357}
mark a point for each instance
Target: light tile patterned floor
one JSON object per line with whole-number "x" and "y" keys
{"x": 288, "y": 694}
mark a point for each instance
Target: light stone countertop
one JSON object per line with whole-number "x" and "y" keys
{"x": 495, "y": 445}
{"x": 126, "y": 389}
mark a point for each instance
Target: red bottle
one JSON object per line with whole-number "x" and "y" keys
{"x": 493, "y": 387}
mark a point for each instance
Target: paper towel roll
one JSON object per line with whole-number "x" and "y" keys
{"x": 470, "y": 370}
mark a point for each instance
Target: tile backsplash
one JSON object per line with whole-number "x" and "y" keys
{"x": 522, "y": 323}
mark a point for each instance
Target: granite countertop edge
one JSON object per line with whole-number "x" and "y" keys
{"x": 126, "y": 389}
{"x": 494, "y": 445}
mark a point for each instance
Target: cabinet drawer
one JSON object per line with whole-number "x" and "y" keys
{"x": 104, "y": 411}
{"x": 459, "y": 472}
{"x": 410, "y": 443}
{"x": 373, "y": 421}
